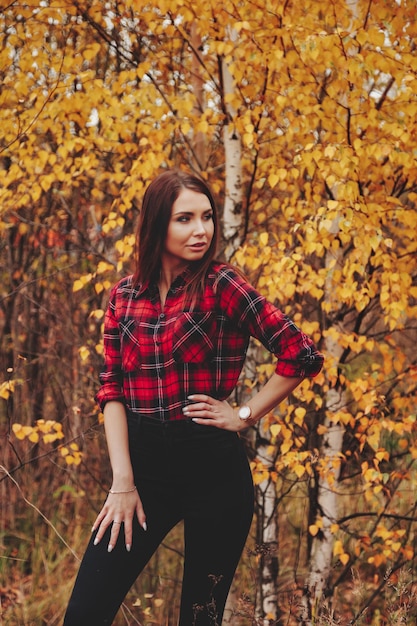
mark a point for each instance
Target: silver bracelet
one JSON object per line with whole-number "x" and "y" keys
{"x": 128, "y": 491}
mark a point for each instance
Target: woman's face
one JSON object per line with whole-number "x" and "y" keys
{"x": 190, "y": 230}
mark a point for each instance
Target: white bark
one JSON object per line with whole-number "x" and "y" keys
{"x": 266, "y": 497}
{"x": 321, "y": 556}
{"x": 267, "y": 519}
{"x": 198, "y": 90}
{"x": 232, "y": 215}
{"x": 322, "y": 546}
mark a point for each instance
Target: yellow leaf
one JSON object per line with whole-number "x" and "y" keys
{"x": 299, "y": 469}
{"x": 362, "y": 37}
{"x": 275, "y": 429}
{"x": 79, "y": 283}
{"x": 338, "y": 548}
{"x": 84, "y": 353}
{"x": 6, "y": 389}
{"x": 90, "y": 52}
{"x": 248, "y": 139}
{"x": 49, "y": 438}
{"x": 376, "y": 37}
{"x": 45, "y": 426}
{"x": 98, "y": 314}
{"x": 34, "y": 436}
{"x": 344, "y": 558}
{"x": 103, "y": 266}
{"x": 285, "y": 447}
{"x": 299, "y": 415}
{"x": 273, "y": 179}
{"x": 377, "y": 559}
{"x": 408, "y": 552}
{"x": 19, "y": 431}
{"x": 202, "y": 126}
{"x": 313, "y": 529}
{"x": 263, "y": 239}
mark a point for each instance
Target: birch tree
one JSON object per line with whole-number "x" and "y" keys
{"x": 99, "y": 97}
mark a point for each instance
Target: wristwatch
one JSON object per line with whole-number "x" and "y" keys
{"x": 244, "y": 412}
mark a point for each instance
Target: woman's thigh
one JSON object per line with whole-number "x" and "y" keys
{"x": 217, "y": 522}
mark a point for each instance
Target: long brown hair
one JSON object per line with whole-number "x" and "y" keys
{"x": 153, "y": 227}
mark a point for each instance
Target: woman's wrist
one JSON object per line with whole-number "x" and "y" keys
{"x": 122, "y": 480}
{"x": 114, "y": 491}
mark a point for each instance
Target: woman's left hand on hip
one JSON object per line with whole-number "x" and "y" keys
{"x": 208, "y": 411}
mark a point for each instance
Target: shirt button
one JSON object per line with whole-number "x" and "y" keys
{"x": 161, "y": 317}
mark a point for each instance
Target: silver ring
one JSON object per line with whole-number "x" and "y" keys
{"x": 114, "y": 522}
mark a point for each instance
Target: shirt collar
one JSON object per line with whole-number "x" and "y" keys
{"x": 177, "y": 285}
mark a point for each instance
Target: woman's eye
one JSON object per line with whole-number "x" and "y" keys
{"x": 208, "y": 217}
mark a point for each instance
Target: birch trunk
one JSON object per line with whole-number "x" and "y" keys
{"x": 322, "y": 546}
{"x": 199, "y": 143}
{"x": 267, "y": 610}
{"x": 321, "y": 555}
{"x": 232, "y": 215}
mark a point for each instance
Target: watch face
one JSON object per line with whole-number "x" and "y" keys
{"x": 244, "y": 412}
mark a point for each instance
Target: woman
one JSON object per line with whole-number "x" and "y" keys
{"x": 175, "y": 337}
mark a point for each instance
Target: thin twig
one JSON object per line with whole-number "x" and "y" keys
{"x": 39, "y": 512}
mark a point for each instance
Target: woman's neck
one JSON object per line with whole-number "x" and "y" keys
{"x": 167, "y": 276}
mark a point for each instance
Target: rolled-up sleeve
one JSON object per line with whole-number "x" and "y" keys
{"x": 111, "y": 376}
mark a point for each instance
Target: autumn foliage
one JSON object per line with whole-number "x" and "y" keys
{"x": 319, "y": 98}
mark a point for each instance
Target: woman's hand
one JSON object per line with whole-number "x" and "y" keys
{"x": 119, "y": 508}
{"x": 211, "y": 412}
{"x": 208, "y": 411}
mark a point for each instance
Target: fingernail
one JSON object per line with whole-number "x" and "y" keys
{"x": 144, "y": 526}
{"x": 96, "y": 541}
{"x": 190, "y": 397}
{"x": 185, "y": 410}
{"x": 128, "y": 546}
{"x": 110, "y": 548}
{"x": 92, "y": 529}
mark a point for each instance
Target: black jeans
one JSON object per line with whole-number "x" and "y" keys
{"x": 183, "y": 471}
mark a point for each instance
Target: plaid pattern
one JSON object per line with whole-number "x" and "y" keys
{"x": 155, "y": 358}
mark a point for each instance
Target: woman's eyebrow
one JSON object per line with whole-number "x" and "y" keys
{"x": 191, "y": 212}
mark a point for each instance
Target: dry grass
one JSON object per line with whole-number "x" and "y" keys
{"x": 46, "y": 511}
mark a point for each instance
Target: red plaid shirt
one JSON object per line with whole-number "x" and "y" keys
{"x": 155, "y": 358}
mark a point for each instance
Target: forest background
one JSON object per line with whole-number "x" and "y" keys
{"x": 302, "y": 116}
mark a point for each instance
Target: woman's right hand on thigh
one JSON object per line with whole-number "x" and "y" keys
{"x": 119, "y": 508}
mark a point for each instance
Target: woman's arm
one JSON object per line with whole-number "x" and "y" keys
{"x": 115, "y": 426}
{"x": 252, "y": 314}
{"x": 119, "y": 507}
{"x": 211, "y": 412}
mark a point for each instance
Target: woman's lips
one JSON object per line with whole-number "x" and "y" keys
{"x": 197, "y": 246}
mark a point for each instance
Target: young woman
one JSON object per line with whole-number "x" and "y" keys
{"x": 176, "y": 335}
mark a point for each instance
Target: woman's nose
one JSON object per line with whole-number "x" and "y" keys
{"x": 200, "y": 228}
